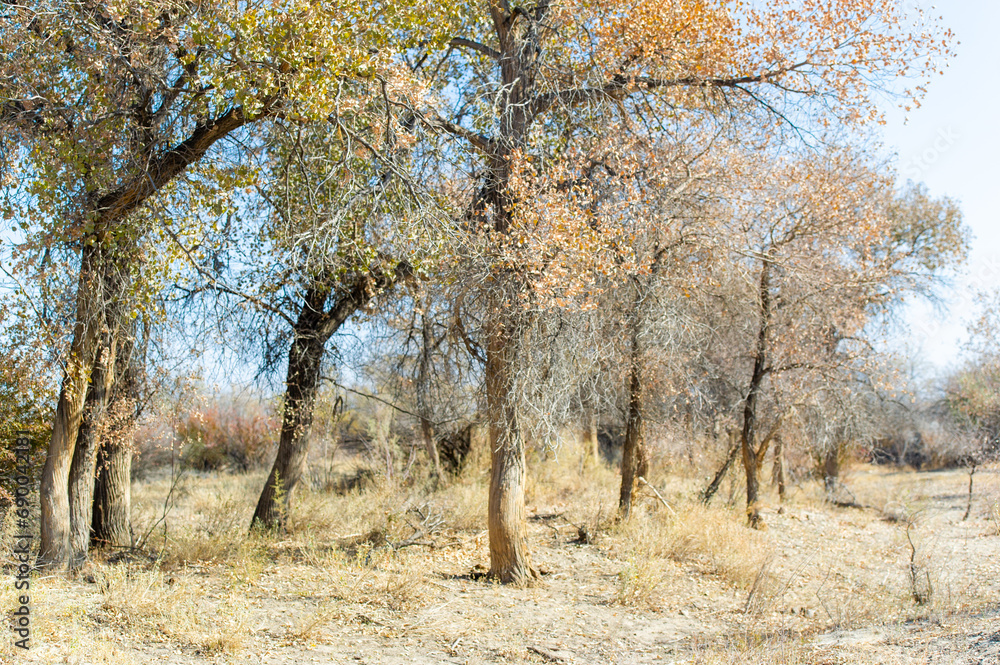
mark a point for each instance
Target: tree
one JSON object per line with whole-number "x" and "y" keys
{"x": 106, "y": 106}
{"x": 828, "y": 247}
{"x": 529, "y": 66}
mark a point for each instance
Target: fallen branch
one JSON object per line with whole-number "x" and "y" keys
{"x": 662, "y": 500}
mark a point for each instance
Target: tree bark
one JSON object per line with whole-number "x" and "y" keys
{"x": 314, "y": 326}
{"x": 423, "y": 387}
{"x": 751, "y": 456}
{"x": 831, "y": 471}
{"x": 778, "y": 471}
{"x": 305, "y": 360}
{"x": 634, "y": 457}
{"x": 713, "y": 487}
{"x": 510, "y": 562}
{"x": 54, "y": 543}
{"x": 89, "y": 439}
{"x": 111, "y": 522}
{"x": 589, "y": 439}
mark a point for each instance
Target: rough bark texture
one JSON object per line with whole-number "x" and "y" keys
{"x": 634, "y": 458}
{"x": 314, "y": 326}
{"x": 54, "y": 543}
{"x": 111, "y": 522}
{"x": 510, "y": 562}
{"x": 89, "y": 439}
{"x": 751, "y": 456}
{"x": 305, "y": 360}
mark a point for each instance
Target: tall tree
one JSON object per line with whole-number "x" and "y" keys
{"x": 527, "y": 66}
{"x": 825, "y": 256}
{"x": 107, "y": 104}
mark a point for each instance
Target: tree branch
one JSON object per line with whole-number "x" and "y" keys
{"x": 460, "y": 42}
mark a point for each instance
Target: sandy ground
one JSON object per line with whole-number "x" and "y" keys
{"x": 820, "y": 585}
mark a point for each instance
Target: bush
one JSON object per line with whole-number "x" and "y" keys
{"x": 233, "y": 435}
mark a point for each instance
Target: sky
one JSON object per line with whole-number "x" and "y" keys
{"x": 951, "y": 143}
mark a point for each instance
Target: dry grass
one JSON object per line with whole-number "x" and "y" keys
{"x": 390, "y": 564}
{"x": 147, "y": 603}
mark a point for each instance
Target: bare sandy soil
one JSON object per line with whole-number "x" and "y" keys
{"x": 902, "y": 579}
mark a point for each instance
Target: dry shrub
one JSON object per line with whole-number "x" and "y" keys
{"x": 144, "y": 601}
{"x": 715, "y": 540}
{"x": 640, "y": 583}
{"x": 231, "y": 434}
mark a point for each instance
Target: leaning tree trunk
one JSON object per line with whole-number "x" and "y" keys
{"x": 634, "y": 456}
{"x": 111, "y": 520}
{"x": 510, "y": 562}
{"x": 313, "y": 328}
{"x": 713, "y": 487}
{"x": 54, "y": 543}
{"x": 751, "y": 456}
{"x": 305, "y": 359}
{"x": 89, "y": 439}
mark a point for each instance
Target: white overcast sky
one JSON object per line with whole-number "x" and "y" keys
{"x": 952, "y": 143}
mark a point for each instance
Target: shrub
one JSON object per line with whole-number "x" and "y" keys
{"x": 233, "y": 435}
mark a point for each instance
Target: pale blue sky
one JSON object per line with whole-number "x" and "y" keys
{"x": 952, "y": 144}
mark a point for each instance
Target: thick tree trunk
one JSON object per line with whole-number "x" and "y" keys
{"x": 305, "y": 359}
{"x": 751, "y": 456}
{"x": 510, "y": 562}
{"x": 111, "y": 521}
{"x": 423, "y": 387}
{"x": 90, "y": 437}
{"x": 54, "y": 543}
{"x": 634, "y": 457}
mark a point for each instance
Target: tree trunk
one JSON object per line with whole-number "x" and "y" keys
{"x": 305, "y": 358}
{"x": 588, "y": 437}
{"x": 423, "y": 387}
{"x": 89, "y": 439}
{"x": 968, "y": 505}
{"x": 751, "y": 456}
{"x": 313, "y": 329}
{"x": 634, "y": 457}
{"x": 831, "y": 471}
{"x": 778, "y": 470}
{"x": 111, "y": 523}
{"x": 54, "y": 543}
{"x": 112, "y": 520}
{"x": 713, "y": 487}
{"x": 510, "y": 562}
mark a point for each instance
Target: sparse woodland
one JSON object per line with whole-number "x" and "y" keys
{"x": 485, "y": 332}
